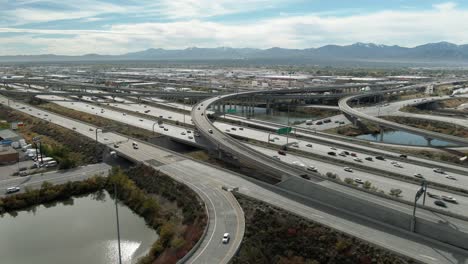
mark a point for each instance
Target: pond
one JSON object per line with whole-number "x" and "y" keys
{"x": 80, "y": 230}
{"x": 401, "y": 137}
{"x": 276, "y": 116}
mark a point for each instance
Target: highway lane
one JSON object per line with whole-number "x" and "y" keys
{"x": 394, "y": 239}
{"x": 393, "y": 109}
{"x": 56, "y": 177}
{"x": 386, "y": 237}
{"x": 234, "y": 224}
{"x": 382, "y": 183}
{"x": 245, "y": 155}
{"x": 344, "y": 106}
{"x": 223, "y": 211}
{"x": 408, "y": 169}
{"x": 326, "y": 139}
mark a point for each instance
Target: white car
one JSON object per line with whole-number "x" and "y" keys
{"x": 451, "y": 177}
{"x": 226, "y": 238}
{"x": 418, "y": 175}
{"x": 312, "y": 168}
{"x": 13, "y": 189}
{"x": 398, "y": 165}
{"x": 449, "y": 199}
{"x": 358, "y": 159}
{"x": 438, "y": 170}
{"x": 298, "y": 164}
{"x": 359, "y": 181}
{"x": 183, "y": 133}
{"x": 348, "y": 169}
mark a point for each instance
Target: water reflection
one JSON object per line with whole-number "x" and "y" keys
{"x": 401, "y": 137}
{"x": 84, "y": 232}
{"x": 276, "y": 116}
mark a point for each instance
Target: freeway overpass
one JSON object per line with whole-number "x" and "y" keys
{"x": 243, "y": 154}
{"x": 399, "y": 244}
{"x": 354, "y": 114}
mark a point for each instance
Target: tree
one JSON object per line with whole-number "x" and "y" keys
{"x": 46, "y": 185}
{"x": 349, "y": 181}
{"x": 367, "y": 185}
{"x": 331, "y": 175}
{"x": 395, "y": 192}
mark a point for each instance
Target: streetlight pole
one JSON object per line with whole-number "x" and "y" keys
{"x": 287, "y": 132}
{"x": 118, "y": 225}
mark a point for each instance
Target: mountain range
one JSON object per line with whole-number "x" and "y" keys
{"x": 442, "y": 52}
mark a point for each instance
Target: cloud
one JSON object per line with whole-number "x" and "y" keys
{"x": 408, "y": 28}
{"x": 448, "y": 6}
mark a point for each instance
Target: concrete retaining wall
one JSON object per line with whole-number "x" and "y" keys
{"x": 377, "y": 211}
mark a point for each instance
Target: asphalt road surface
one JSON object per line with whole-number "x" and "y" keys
{"x": 223, "y": 212}
{"x": 397, "y": 240}
{"x": 57, "y": 177}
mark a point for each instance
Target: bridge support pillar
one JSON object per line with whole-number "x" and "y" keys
{"x": 429, "y": 141}
{"x": 381, "y": 134}
{"x": 268, "y": 107}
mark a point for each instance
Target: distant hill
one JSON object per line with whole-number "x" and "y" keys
{"x": 442, "y": 52}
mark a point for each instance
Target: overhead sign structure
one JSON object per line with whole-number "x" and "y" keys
{"x": 284, "y": 130}
{"x": 419, "y": 193}
{"x": 231, "y": 111}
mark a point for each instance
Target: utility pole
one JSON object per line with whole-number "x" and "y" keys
{"x": 118, "y": 226}
{"x": 287, "y": 134}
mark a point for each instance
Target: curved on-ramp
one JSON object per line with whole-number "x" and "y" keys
{"x": 347, "y": 109}
{"x": 249, "y": 157}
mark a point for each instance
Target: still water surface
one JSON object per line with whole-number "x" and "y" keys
{"x": 81, "y": 232}
{"x": 280, "y": 117}
{"x": 401, "y": 137}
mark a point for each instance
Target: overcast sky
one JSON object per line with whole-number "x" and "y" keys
{"x": 113, "y": 27}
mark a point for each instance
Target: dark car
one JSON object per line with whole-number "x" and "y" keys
{"x": 281, "y": 152}
{"x": 440, "y": 203}
{"x": 380, "y": 158}
{"x": 368, "y": 158}
{"x": 403, "y": 156}
{"x": 331, "y": 153}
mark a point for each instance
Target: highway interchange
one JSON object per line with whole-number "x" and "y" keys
{"x": 426, "y": 254}
{"x": 380, "y": 181}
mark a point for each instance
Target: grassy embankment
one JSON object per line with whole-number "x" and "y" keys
{"x": 443, "y": 104}
{"x": 273, "y": 235}
{"x": 70, "y": 149}
{"x": 352, "y": 131}
{"x": 317, "y": 113}
{"x": 430, "y": 125}
{"x": 171, "y": 208}
{"x": 97, "y": 121}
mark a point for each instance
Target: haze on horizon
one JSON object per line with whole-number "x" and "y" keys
{"x": 115, "y": 27}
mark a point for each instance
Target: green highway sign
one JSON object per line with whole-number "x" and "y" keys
{"x": 231, "y": 111}
{"x": 284, "y": 130}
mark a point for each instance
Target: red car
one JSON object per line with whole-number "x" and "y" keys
{"x": 281, "y": 152}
